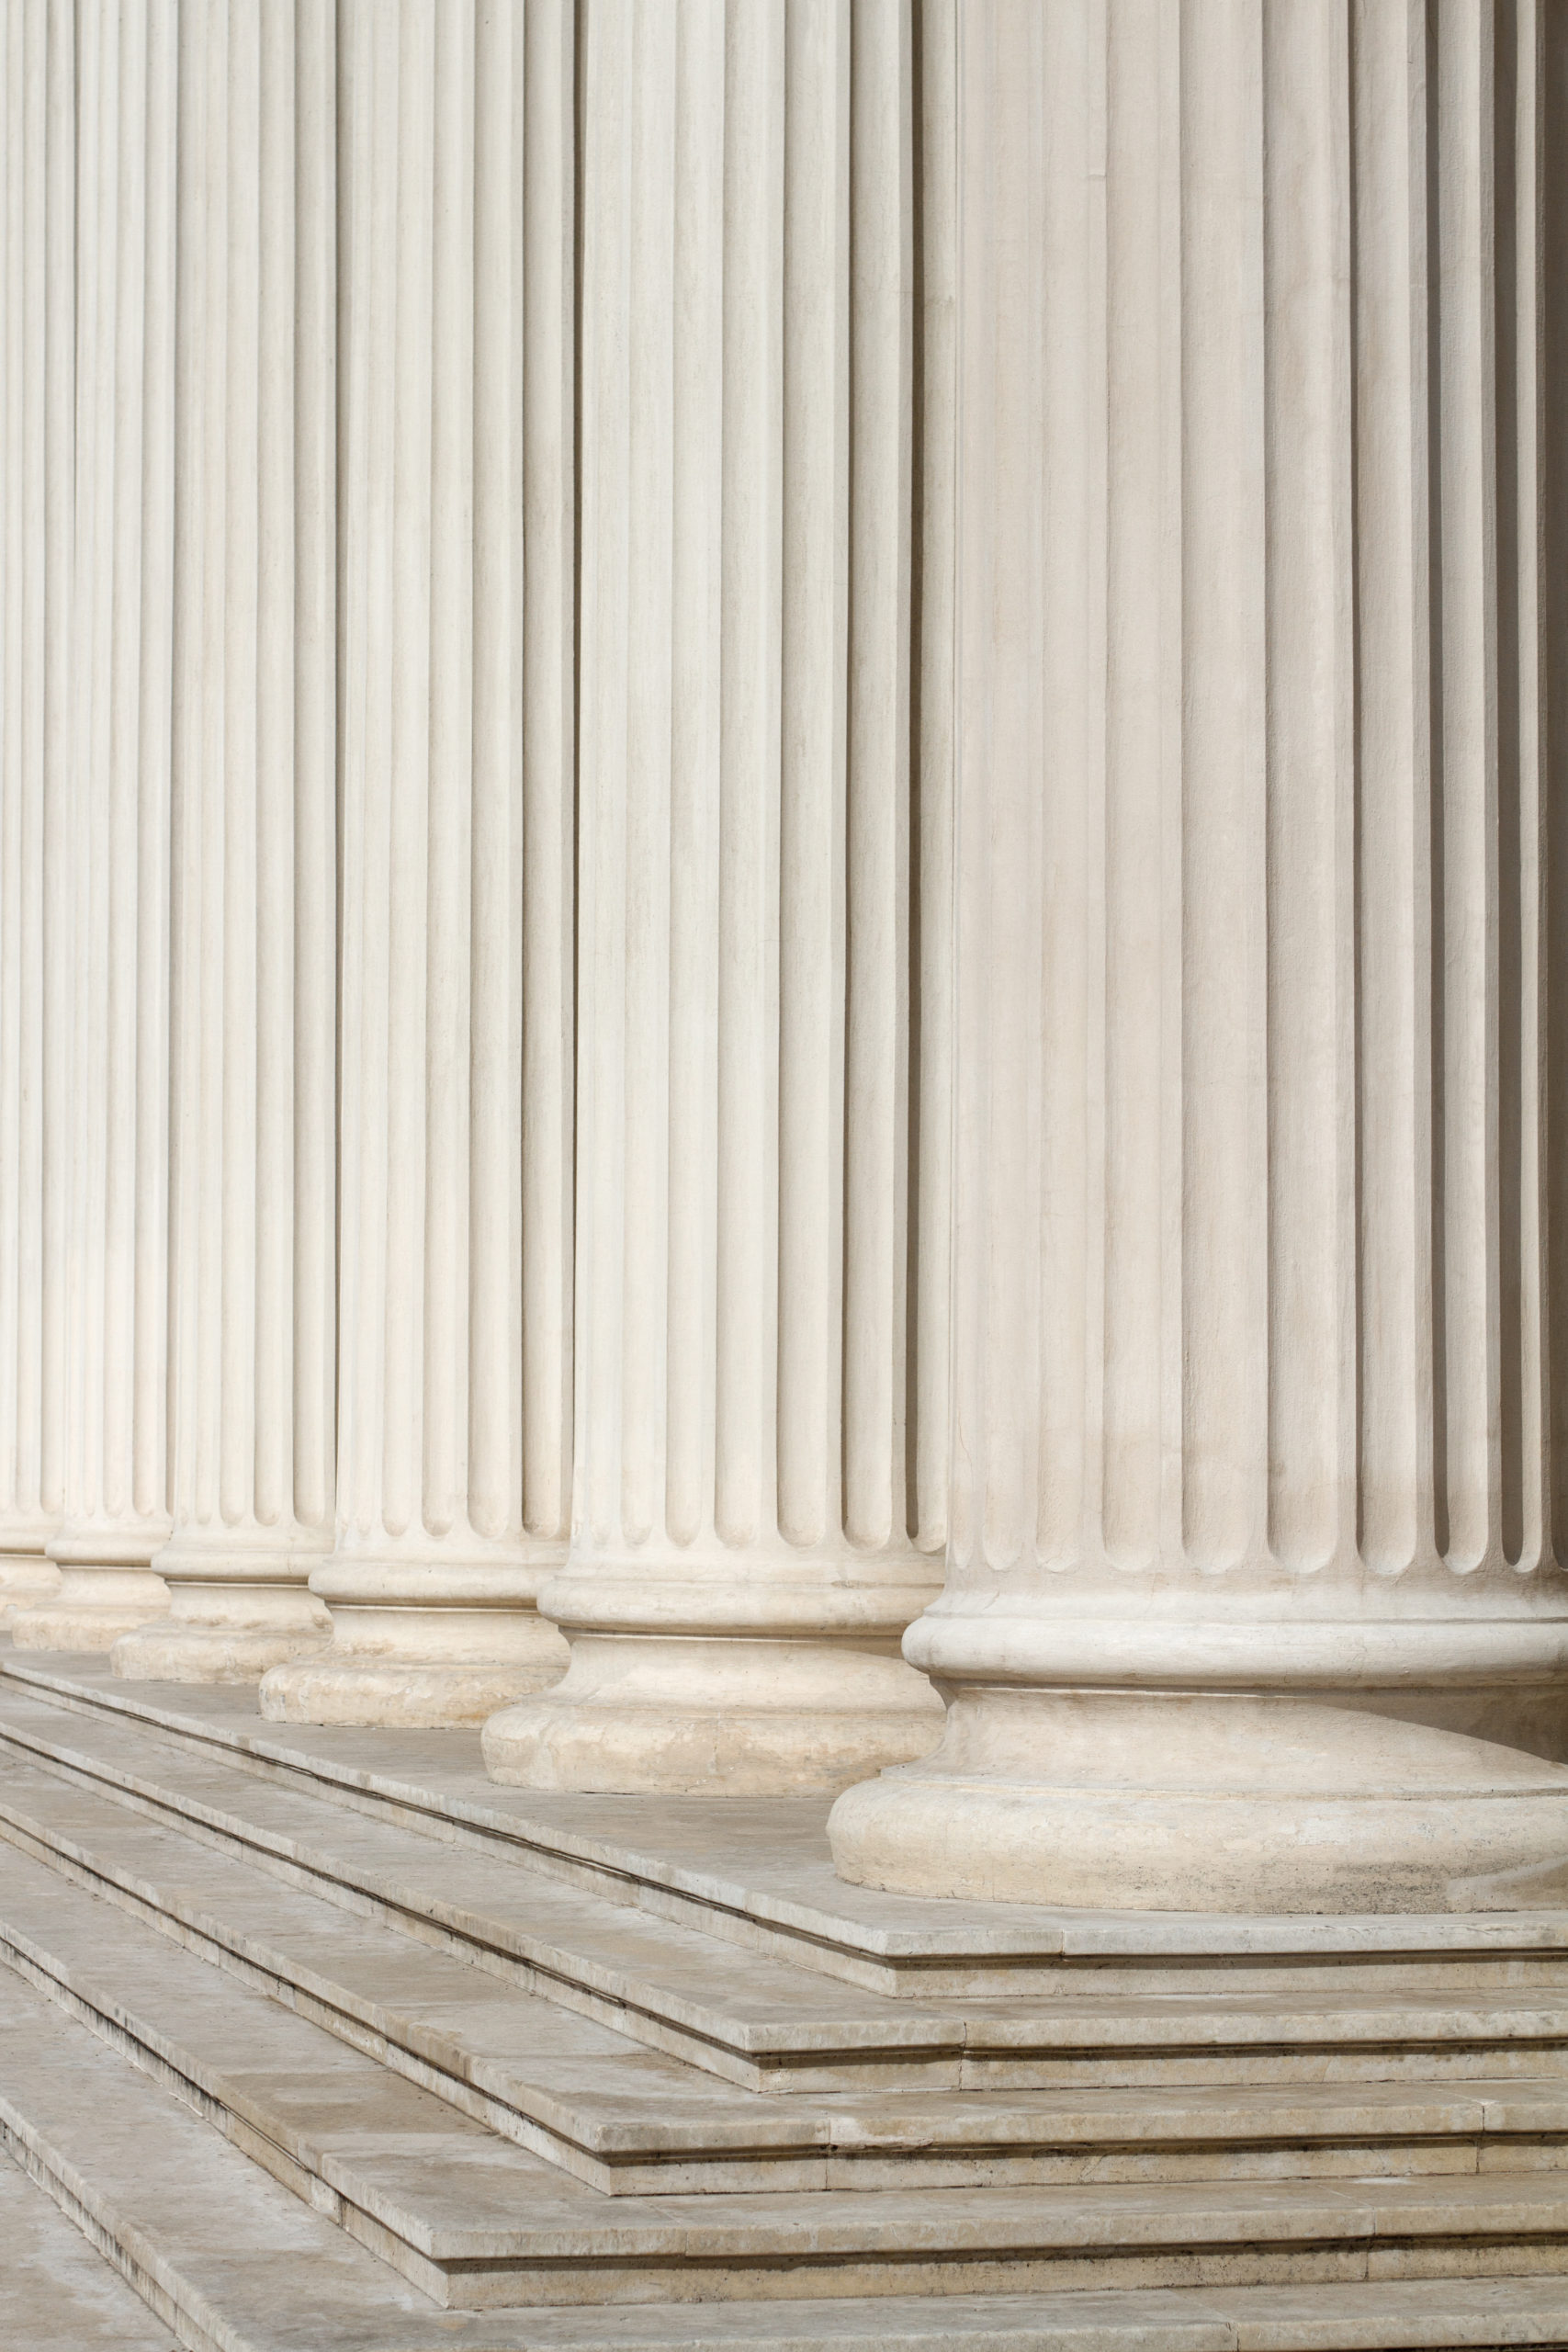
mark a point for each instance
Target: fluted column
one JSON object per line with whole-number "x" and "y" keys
{"x": 256, "y": 849}
{"x": 35, "y": 568}
{"x": 108, "y": 845}
{"x": 1259, "y": 977}
{"x": 755, "y": 1518}
{"x": 453, "y": 1428}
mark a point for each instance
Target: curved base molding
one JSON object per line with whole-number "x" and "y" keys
{"x": 420, "y": 1668}
{"x": 191, "y": 1646}
{"x": 91, "y": 1609}
{"x": 705, "y": 1717}
{"x": 327, "y": 1690}
{"x": 27, "y": 1581}
{"x": 1185, "y": 1803}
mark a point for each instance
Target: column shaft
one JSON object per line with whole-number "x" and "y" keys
{"x": 1251, "y": 1529}
{"x": 35, "y": 568}
{"x": 256, "y": 848}
{"x": 455, "y": 1285}
{"x": 107, "y": 681}
{"x": 758, "y": 1500}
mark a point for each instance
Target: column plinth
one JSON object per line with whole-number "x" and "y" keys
{"x": 748, "y": 1684}
{"x": 1253, "y": 1595}
{"x": 431, "y": 1636}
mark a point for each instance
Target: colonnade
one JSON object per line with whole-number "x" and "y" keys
{"x": 783, "y": 815}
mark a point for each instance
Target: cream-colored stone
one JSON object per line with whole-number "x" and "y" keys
{"x": 456, "y": 861}
{"x": 253, "y": 970}
{"x": 110, "y": 99}
{"x": 1252, "y": 1490}
{"x": 760, "y": 1484}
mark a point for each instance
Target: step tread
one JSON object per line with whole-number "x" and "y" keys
{"x": 456, "y": 2192}
{"x": 741, "y": 2001}
{"x": 234, "y": 2250}
{"x": 766, "y": 1861}
{"x": 57, "y": 2292}
{"x": 613, "y": 2098}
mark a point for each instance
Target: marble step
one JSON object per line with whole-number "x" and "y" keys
{"x": 759, "y": 1871}
{"x": 629, "y": 2122}
{"x": 58, "y": 2293}
{"x": 238, "y": 2265}
{"x": 477, "y": 2224}
{"x": 745, "y": 2017}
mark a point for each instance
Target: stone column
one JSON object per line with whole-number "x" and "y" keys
{"x": 35, "y": 568}
{"x": 107, "y": 847}
{"x": 1259, "y": 1451}
{"x": 256, "y": 847}
{"x": 754, "y": 1520}
{"x": 457, "y": 633}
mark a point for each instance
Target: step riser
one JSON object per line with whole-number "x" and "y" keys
{"x": 1238, "y": 2066}
{"x": 1484, "y": 1969}
{"x": 185, "y": 2314}
{"x": 361, "y": 1901}
{"x": 483, "y": 2286}
{"x": 1387, "y": 2157}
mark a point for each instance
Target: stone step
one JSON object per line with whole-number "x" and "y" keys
{"x": 476, "y": 2223}
{"x": 56, "y": 2289}
{"x": 754, "y": 2021}
{"x": 629, "y": 2122}
{"x": 758, "y": 1873}
{"x": 238, "y": 2265}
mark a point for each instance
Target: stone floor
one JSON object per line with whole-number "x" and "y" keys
{"x": 323, "y": 2041}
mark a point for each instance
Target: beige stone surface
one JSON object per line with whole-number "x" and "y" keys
{"x": 58, "y": 2293}
{"x": 1251, "y": 1574}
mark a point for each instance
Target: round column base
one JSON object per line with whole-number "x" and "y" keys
{"x": 640, "y": 1715}
{"x": 26, "y": 1582}
{"x": 1179, "y": 1802}
{"x": 418, "y": 1669}
{"x": 182, "y": 1648}
{"x": 91, "y": 1609}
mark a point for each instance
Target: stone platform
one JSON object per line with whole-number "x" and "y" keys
{"x": 326, "y": 2040}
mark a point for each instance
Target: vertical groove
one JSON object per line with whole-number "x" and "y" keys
{"x": 1059, "y": 748}
{"x": 1466, "y": 900}
{"x": 1224, "y": 1153}
{"x": 932, "y": 559}
{"x": 54, "y": 311}
{"x": 548, "y": 693}
{"x": 1552, "y": 458}
{"x": 696, "y": 432}
{"x": 313, "y": 1350}
{"x": 456, "y": 1259}
{"x": 638, "y": 474}
{"x": 876, "y": 1097}
{"x": 1392, "y": 766}
{"x": 815, "y": 479}
{"x": 1308, "y": 613}
{"x": 495, "y": 1276}
{"x": 1130, "y": 1498}
{"x": 1512, "y": 174}
{"x": 748, "y": 731}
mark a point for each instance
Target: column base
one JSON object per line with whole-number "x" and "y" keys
{"x": 91, "y": 1609}
{"x": 417, "y": 1669}
{"x": 225, "y": 1635}
{"x": 27, "y": 1580}
{"x": 1184, "y": 1802}
{"x": 705, "y": 1716}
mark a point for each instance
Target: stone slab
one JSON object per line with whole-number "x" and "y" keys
{"x": 57, "y": 2292}
{"x": 763, "y": 1866}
